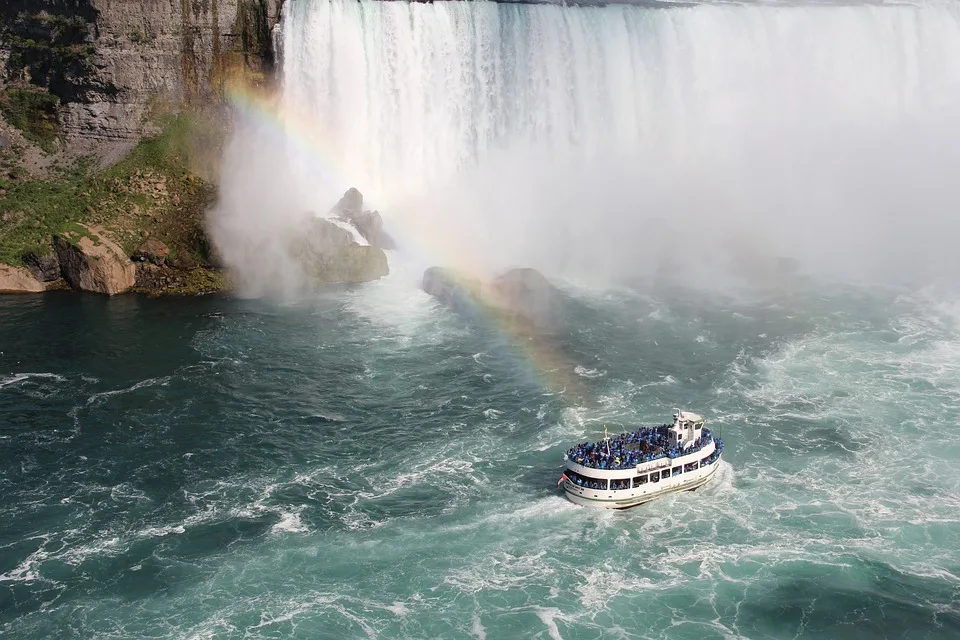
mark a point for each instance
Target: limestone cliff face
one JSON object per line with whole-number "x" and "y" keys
{"x": 111, "y": 62}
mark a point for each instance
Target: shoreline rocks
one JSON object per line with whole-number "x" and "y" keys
{"x": 18, "y": 280}
{"x": 90, "y": 261}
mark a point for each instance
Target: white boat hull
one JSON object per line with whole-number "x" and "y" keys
{"x": 625, "y": 498}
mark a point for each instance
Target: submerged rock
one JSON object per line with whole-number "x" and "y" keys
{"x": 528, "y": 293}
{"x": 522, "y": 295}
{"x": 90, "y": 261}
{"x": 17, "y": 280}
{"x": 455, "y": 289}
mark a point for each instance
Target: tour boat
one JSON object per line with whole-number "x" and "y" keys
{"x": 633, "y": 468}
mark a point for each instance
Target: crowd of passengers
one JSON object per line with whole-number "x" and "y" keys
{"x": 630, "y": 449}
{"x": 619, "y": 485}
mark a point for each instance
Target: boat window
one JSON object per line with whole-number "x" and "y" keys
{"x": 655, "y": 476}
{"x": 639, "y": 480}
{"x": 677, "y": 471}
{"x": 665, "y": 474}
{"x": 585, "y": 481}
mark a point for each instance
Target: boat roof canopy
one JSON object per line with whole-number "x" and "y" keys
{"x": 688, "y": 416}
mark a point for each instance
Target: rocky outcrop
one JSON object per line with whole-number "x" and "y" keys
{"x": 329, "y": 255}
{"x": 368, "y": 223}
{"x": 521, "y": 295}
{"x": 43, "y": 268}
{"x": 90, "y": 261}
{"x": 16, "y": 280}
{"x": 151, "y": 250}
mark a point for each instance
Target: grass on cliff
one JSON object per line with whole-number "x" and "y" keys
{"x": 34, "y": 113}
{"x": 150, "y": 192}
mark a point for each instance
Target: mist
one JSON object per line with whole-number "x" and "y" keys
{"x": 613, "y": 145}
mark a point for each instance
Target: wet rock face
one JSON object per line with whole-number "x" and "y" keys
{"x": 90, "y": 261}
{"x": 17, "y": 280}
{"x": 368, "y": 223}
{"x": 329, "y": 255}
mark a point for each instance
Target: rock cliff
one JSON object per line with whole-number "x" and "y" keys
{"x": 92, "y": 70}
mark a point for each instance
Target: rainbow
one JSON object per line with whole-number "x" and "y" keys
{"x": 553, "y": 371}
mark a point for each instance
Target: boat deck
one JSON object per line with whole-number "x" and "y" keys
{"x": 627, "y": 450}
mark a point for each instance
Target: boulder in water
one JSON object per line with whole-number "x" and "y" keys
{"x": 520, "y": 295}
{"x": 368, "y": 223}
{"x": 455, "y": 289}
{"x": 90, "y": 261}
{"x": 329, "y": 255}
{"x": 528, "y": 294}
{"x": 354, "y": 263}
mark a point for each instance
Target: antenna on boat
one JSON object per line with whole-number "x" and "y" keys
{"x": 606, "y": 437}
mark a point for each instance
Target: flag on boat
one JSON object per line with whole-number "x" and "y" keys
{"x": 562, "y": 478}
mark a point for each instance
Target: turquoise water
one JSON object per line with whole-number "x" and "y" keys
{"x": 368, "y": 464}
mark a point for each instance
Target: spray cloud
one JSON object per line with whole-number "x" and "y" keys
{"x": 603, "y": 142}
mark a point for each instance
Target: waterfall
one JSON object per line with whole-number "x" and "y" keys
{"x": 559, "y": 136}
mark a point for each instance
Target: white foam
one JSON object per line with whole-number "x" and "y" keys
{"x": 98, "y": 398}
{"x": 583, "y": 372}
{"x": 476, "y": 628}
{"x": 16, "y": 378}
{"x": 290, "y": 522}
{"x": 548, "y": 616}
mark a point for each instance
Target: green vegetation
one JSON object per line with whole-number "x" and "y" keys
{"x": 34, "y": 113}
{"x": 151, "y": 192}
{"x": 137, "y": 36}
{"x": 53, "y": 47}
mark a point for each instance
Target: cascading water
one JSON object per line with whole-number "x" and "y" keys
{"x": 411, "y": 93}
{"x": 551, "y": 135}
